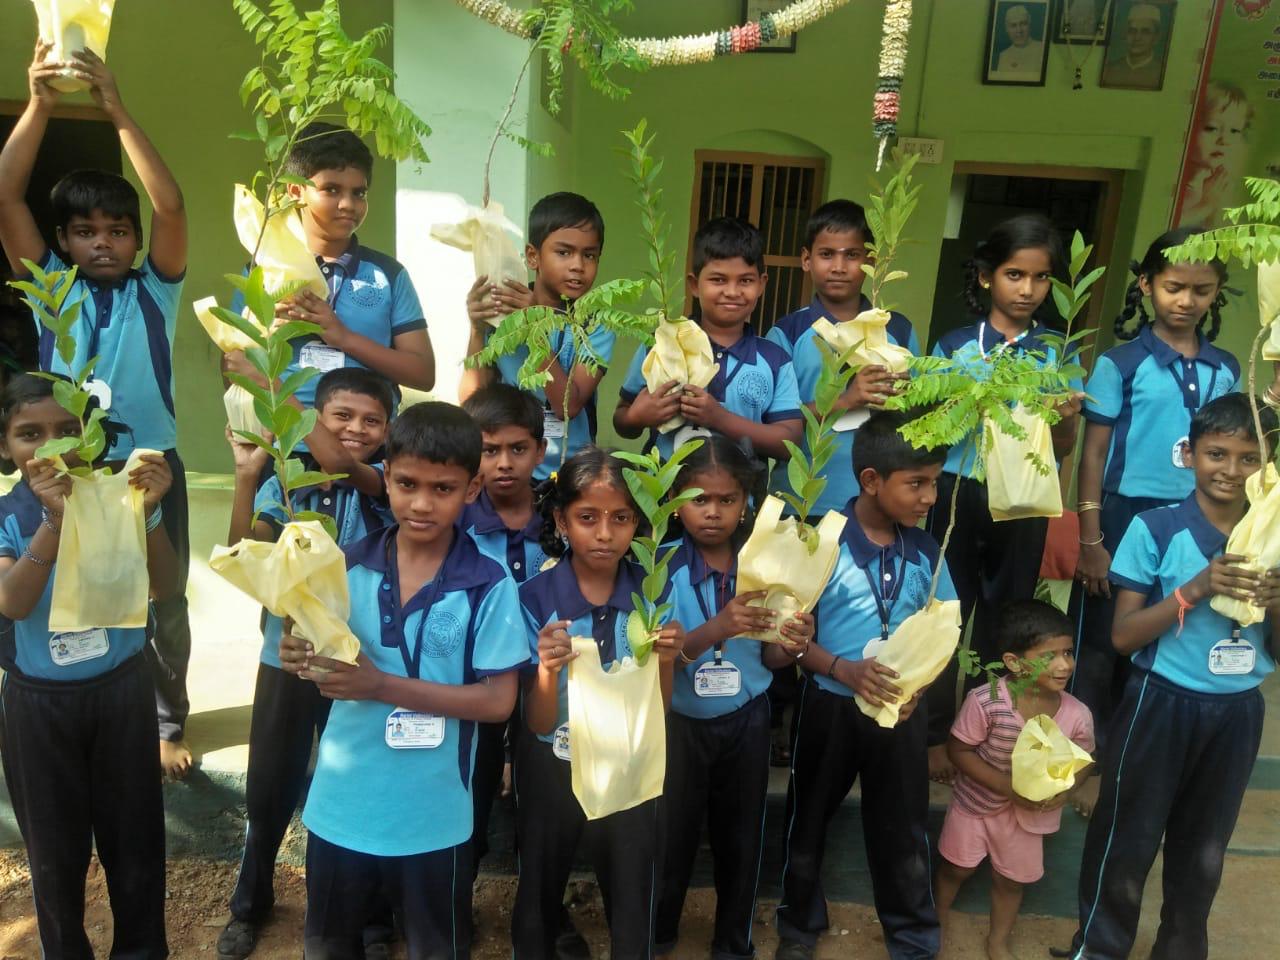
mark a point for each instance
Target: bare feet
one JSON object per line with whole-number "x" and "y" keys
{"x": 1086, "y": 798}
{"x": 175, "y": 759}
{"x": 941, "y": 770}
{"x": 998, "y": 950}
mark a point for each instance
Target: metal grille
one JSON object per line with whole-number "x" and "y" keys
{"x": 777, "y": 194}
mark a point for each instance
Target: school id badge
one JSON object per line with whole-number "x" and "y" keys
{"x": 411, "y": 730}
{"x": 560, "y": 742}
{"x": 1232, "y": 657}
{"x": 78, "y": 646}
{"x": 717, "y": 680}
{"x": 552, "y": 426}
{"x": 320, "y": 355}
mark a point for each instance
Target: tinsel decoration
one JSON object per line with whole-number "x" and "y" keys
{"x": 893, "y": 60}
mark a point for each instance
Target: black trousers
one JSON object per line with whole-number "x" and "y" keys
{"x": 834, "y": 744}
{"x": 495, "y": 745}
{"x": 429, "y": 892}
{"x": 82, "y": 768}
{"x": 169, "y": 650}
{"x": 288, "y": 715}
{"x": 1177, "y": 770}
{"x": 990, "y": 564}
{"x": 622, "y": 848}
{"x": 717, "y": 770}
{"x": 1100, "y": 675}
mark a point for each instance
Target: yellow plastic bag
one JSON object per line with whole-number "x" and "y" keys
{"x": 775, "y": 559}
{"x": 617, "y": 732}
{"x": 869, "y": 332}
{"x": 72, "y": 25}
{"x": 1045, "y": 760}
{"x": 237, "y": 401}
{"x": 681, "y": 352}
{"x": 302, "y": 576}
{"x": 918, "y": 650}
{"x": 1256, "y": 536}
{"x": 1269, "y": 307}
{"x": 101, "y": 579}
{"x": 283, "y": 254}
{"x": 1015, "y": 489}
{"x": 491, "y": 238}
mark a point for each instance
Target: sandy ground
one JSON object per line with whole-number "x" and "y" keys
{"x": 198, "y": 891}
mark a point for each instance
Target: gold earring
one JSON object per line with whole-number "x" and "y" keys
{"x": 986, "y": 286}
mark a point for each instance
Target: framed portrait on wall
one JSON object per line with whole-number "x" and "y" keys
{"x": 1017, "y": 42}
{"x": 751, "y": 10}
{"x": 1138, "y": 48}
{"x": 1081, "y": 22}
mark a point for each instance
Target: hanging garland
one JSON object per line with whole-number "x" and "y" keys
{"x": 893, "y": 60}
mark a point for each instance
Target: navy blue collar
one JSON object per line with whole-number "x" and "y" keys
{"x": 743, "y": 349}
{"x": 20, "y": 502}
{"x": 689, "y": 556}
{"x": 349, "y": 261}
{"x": 570, "y": 604}
{"x": 1209, "y": 539}
{"x": 483, "y": 517}
{"x": 816, "y": 306}
{"x": 96, "y": 286}
{"x": 1166, "y": 356}
{"x": 864, "y": 550}
{"x": 464, "y": 565}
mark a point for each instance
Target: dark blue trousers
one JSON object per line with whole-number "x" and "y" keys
{"x": 1176, "y": 771}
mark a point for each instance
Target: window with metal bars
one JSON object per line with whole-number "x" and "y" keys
{"x": 777, "y": 194}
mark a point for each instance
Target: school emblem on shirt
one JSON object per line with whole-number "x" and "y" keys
{"x": 753, "y": 388}
{"x": 369, "y": 293}
{"x": 443, "y": 634}
{"x": 916, "y": 589}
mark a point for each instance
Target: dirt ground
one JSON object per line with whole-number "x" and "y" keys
{"x": 198, "y": 890}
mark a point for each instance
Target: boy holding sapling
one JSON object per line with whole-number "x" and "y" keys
{"x": 753, "y": 396}
{"x": 882, "y": 577}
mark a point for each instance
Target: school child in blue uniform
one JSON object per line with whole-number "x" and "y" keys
{"x": 78, "y": 738}
{"x": 127, "y": 320}
{"x": 993, "y": 562}
{"x": 592, "y": 516}
{"x": 505, "y": 524}
{"x": 440, "y": 644}
{"x": 1140, "y": 401}
{"x": 833, "y": 254}
{"x": 882, "y": 576}
{"x": 718, "y": 727}
{"x": 1187, "y": 730}
{"x": 753, "y": 395}
{"x": 372, "y": 317}
{"x": 355, "y": 406}
{"x": 566, "y": 236}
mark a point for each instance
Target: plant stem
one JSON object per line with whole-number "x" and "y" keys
{"x": 502, "y": 123}
{"x": 1253, "y": 396}
{"x": 946, "y": 537}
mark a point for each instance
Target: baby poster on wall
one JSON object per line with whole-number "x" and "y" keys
{"x": 1016, "y": 51}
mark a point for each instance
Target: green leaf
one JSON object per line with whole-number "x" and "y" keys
{"x": 59, "y": 447}
{"x": 244, "y": 325}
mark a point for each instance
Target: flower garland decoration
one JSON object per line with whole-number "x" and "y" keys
{"x": 702, "y": 48}
{"x": 893, "y": 60}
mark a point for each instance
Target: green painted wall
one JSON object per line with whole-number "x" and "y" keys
{"x": 179, "y": 66}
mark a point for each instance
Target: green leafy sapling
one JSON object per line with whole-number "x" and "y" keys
{"x": 650, "y": 480}
{"x": 46, "y": 293}
{"x": 644, "y": 169}
{"x": 889, "y": 208}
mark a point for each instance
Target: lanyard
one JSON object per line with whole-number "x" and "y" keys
{"x": 982, "y": 337}
{"x": 412, "y": 661}
{"x": 885, "y": 604}
{"x": 718, "y": 603}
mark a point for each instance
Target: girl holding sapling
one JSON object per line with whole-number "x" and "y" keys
{"x": 1007, "y": 280}
{"x": 718, "y": 731}
{"x": 591, "y": 519}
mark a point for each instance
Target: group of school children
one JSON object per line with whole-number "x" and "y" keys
{"x": 474, "y": 554}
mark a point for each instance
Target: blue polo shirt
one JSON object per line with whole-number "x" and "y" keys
{"x": 373, "y": 295}
{"x": 26, "y": 646}
{"x": 464, "y": 625}
{"x": 582, "y": 428}
{"x": 699, "y": 592}
{"x": 795, "y": 333}
{"x": 554, "y": 595}
{"x": 756, "y": 380}
{"x": 355, "y": 514}
{"x": 518, "y": 550}
{"x": 1147, "y": 393}
{"x": 1162, "y": 550}
{"x": 971, "y": 348}
{"x": 129, "y": 326}
{"x": 872, "y": 590}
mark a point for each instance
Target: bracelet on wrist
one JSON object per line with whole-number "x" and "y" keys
{"x": 686, "y": 658}
{"x": 38, "y": 561}
{"x": 1092, "y": 543}
{"x": 153, "y": 520}
{"x": 46, "y": 518}
{"x": 1183, "y": 606}
{"x": 1084, "y": 506}
{"x": 831, "y": 670}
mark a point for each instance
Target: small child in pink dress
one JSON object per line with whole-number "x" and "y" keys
{"x": 986, "y": 818}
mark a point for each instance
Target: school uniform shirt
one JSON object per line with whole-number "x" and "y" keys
{"x": 129, "y": 326}
{"x": 1162, "y": 550}
{"x": 367, "y": 795}
{"x": 355, "y": 514}
{"x": 795, "y": 334}
{"x": 373, "y": 295}
{"x": 698, "y": 592}
{"x": 1147, "y": 393}
{"x": 872, "y": 590}
{"x": 518, "y": 550}
{"x": 972, "y": 348}
{"x": 756, "y": 380}
{"x": 26, "y": 646}
{"x": 581, "y": 430}
{"x": 992, "y": 724}
{"x": 554, "y": 595}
